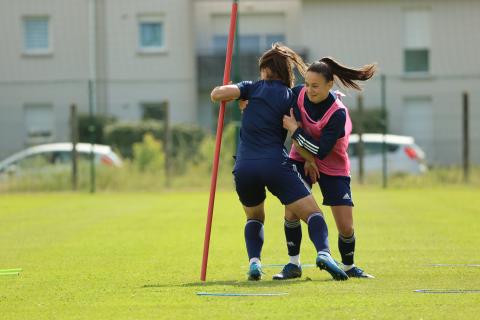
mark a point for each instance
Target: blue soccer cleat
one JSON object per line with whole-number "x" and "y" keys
{"x": 356, "y": 272}
{"x": 290, "y": 271}
{"x": 255, "y": 272}
{"x": 326, "y": 262}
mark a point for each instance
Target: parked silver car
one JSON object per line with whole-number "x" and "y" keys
{"x": 403, "y": 155}
{"x": 40, "y": 156}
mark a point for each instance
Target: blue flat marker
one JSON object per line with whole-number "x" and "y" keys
{"x": 241, "y": 294}
{"x": 446, "y": 291}
{"x": 453, "y": 265}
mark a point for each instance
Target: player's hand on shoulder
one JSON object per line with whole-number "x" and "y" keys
{"x": 289, "y": 122}
{"x": 242, "y": 104}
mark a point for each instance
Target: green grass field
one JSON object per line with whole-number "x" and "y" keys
{"x": 138, "y": 256}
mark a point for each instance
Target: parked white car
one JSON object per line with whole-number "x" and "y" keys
{"x": 40, "y": 156}
{"x": 403, "y": 155}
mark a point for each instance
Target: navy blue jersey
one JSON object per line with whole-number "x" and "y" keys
{"x": 333, "y": 130}
{"x": 262, "y": 135}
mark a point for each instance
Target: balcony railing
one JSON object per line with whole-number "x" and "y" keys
{"x": 211, "y": 66}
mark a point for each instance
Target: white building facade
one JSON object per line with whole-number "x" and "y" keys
{"x": 127, "y": 55}
{"x": 427, "y": 50}
{"x": 148, "y": 53}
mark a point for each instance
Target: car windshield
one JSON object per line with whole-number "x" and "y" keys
{"x": 371, "y": 148}
{"x": 45, "y": 158}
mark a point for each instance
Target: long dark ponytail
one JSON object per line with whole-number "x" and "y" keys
{"x": 281, "y": 60}
{"x": 329, "y": 68}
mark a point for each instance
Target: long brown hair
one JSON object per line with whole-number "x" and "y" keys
{"x": 329, "y": 68}
{"x": 280, "y": 61}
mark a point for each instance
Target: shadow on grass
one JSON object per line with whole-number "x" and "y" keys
{"x": 237, "y": 284}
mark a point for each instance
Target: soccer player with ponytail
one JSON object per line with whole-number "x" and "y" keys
{"x": 320, "y": 127}
{"x": 261, "y": 160}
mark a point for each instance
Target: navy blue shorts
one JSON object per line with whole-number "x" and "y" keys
{"x": 335, "y": 189}
{"x": 280, "y": 178}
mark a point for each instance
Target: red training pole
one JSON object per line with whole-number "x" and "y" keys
{"x": 218, "y": 141}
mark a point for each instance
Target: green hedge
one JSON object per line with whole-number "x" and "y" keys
{"x": 372, "y": 120}
{"x": 186, "y": 139}
{"x": 100, "y": 123}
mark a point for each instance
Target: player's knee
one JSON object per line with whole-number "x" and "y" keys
{"x": 345, "y": 231}
{"x": 304, "y": 208}
{"x": 290, "y": 216}
{"x": 256, "y": 216}
{"x": 255, "y": 213}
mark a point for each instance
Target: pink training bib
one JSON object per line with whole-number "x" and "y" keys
{"x": 336, "y": 163}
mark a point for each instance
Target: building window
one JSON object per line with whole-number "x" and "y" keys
{"x": 253, "y": 43}
{"x": 272, "y": 38}
{"x": 151, "y": 34}
{"x": 36, "y": 35}
{"x": 417, "y": 41}
{"x": 155, "y": 111}
{"x": 416, "y": 60}
{"x": 249, "y": 43}
{"x": 219, "y": 43}
{"x": 39, "y": 122}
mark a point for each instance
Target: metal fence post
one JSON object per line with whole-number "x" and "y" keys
{"x": 91, "y": 129}
{"x": 466, "y": 139}
{"x": 384, "y": 120}
{"x": 167, "y": 144}
{"x": 74, "y": 138}
{"x": 360, "y": 146}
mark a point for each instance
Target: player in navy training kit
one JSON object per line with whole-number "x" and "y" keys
{"x": 321, "y": 127}
{"x": 261, "y": 160}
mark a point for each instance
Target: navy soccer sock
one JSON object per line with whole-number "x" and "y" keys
{"x": 346, "y": 246}
{"x": 293, "y": 235}
{"x": 254, "y": 238}
{"x": 318, "y": 232}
